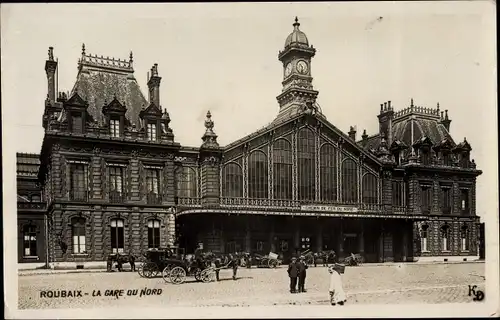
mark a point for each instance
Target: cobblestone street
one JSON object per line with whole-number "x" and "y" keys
{"x": 368, "y": 284}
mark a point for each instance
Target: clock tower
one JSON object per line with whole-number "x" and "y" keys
{"x": 298, "y": 94}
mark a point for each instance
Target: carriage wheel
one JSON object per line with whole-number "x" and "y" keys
{"x": 177, "y": 275}
{"x": 273, "y": 264}
{"x": 150, "y": 270}
{"x": 140, "y": 270}
{"x": 197, "y": 274}
{"x": 208, "y": 275}
{"x": 166, "y": 273}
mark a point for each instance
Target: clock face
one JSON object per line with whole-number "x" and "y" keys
{"x": 288, "y": 69}
{"x": 302, "y": 67}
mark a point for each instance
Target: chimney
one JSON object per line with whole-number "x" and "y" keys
{"x": 154, "y": 86}
{"x": 385, "y": 121}
{"x": 446, "y": 121}
{"x": 364, "y": 136}
{"x": 50, "y": 69}
{"x": 352, "y": 133}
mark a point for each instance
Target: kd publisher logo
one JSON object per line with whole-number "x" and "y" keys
{"x": 477, "y": 294}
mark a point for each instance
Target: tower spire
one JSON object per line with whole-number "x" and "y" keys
{"x": 296, "y": 25}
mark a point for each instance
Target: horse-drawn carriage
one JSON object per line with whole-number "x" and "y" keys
{"x": 270, "y": 261}
{"x": 173, "y": 265}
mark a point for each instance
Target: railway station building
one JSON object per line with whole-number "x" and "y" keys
{"x": 113, "y": 178}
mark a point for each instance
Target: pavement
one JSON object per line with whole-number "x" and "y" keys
{"x": 399, "y": 283}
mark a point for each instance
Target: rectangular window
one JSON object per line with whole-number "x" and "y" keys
{"x": 446, "y": 199}
{"x": 114, "y": 127}
{"x": 153, "y": 234}
{"x": 153, "y": 185}
{"x": 464, "y": 201}
{"x": 425, "y": 157}
{"x": 423, "y": 239}
{"x": 426, "y": 198}
{"x": 151, "y": 130}
{"x": 77, "y": 122}
{"x": 305, "y": 243}
{"x": 117, "y": 235}
{"x": 78, "y": 182}
{"x": 78, "y": 235}
{"x": 397, "y": 193}
{"x": 116, "y": 184}
{"x": 29, "y": 243}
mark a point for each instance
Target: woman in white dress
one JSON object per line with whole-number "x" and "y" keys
{"x": 337, "y": 293}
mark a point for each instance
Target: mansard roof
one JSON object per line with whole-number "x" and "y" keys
{"x": 100, "y": 79}
{"x": 426, "y": 123}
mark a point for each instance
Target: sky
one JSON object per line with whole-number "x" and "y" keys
{"x": 223, "y": 58}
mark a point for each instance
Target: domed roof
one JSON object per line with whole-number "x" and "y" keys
{"x": 297, "y": 36}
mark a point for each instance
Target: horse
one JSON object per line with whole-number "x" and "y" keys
{"x": 120, "y": 259}
{"x": 326, "y": 257}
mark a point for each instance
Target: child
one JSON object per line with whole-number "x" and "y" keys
{"x": 337, "y": 293}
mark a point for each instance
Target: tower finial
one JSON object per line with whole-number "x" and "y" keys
{"x": 296, "y": 24}
{"x": 131, "y": 57}
{"x": 83, "y": 49}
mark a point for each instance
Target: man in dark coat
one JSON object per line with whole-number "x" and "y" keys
{"x": 293, "y": 272}
{"x": 302, "y": 266}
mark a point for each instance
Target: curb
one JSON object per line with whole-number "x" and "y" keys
{"x": 30, "y": 272}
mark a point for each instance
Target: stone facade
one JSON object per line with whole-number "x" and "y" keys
{"x": 114, "y": 179}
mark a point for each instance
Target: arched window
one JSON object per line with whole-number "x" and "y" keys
{"x": 117, "y": 235}
{"x": 369, "y": 188}
{"x": 29, "y": 243}
{"x": 257, "y": 175}
{"x": 328, "y": 173}
{"x": 306, "y": 165}
{"x": 445, "y": 238}
{"x": 282, "y": 170}
{"x": 232, "y": 177}
{"x": 423, "y": 238}
{"x": 78, "y": 235}
{"x": 154, "y": 233}
{"x": 186, "y": 182}
{"x": 349, "y": 181}
{"x": 464, "y": 236}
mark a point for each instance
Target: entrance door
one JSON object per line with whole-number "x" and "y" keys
{"x": 388, "y": 250}
{"x": 350, "y": 244}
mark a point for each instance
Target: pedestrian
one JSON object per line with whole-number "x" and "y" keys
{"x": 293, "y": 272}
{"x": 234, "y": 262}
{"x": 337, "y": 293}
{"x": 302, "y": 266}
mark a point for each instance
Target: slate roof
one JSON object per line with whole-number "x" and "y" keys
{"x": 425, "y": 125}
{"x": 99, "y": 79}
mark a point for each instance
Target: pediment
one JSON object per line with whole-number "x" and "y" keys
{"x": 444, "y": 144}
{"x": 114, "y": 106}
{"x": 152, "y": 110}
{"x": 465, "y": 146}
{"x": 398, "y": 145}
{"x": 76, "y": 100}
{"x": 424, "y": 141}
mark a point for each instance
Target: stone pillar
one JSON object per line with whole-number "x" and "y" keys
{"x": 361, "y": 239}
{"x": 271, "y": 237}
{"x": 296, "y": 237}
{"x": 341, "y": 240}
{"x": 405, "y": 243}
{"x": 319, "y": 237}
{"x": 248, "y": 237}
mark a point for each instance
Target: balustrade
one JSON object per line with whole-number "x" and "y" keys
{"x": 31, "y": 205}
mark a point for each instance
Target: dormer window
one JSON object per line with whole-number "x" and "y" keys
{"x": 425, "y": 156}
{"x": 76, "y": 122}
{"x": 114, "y": 127}
{"x": 151, "y": 130}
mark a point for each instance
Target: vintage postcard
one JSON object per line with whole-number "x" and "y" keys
{"x": 236, "y": 160}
